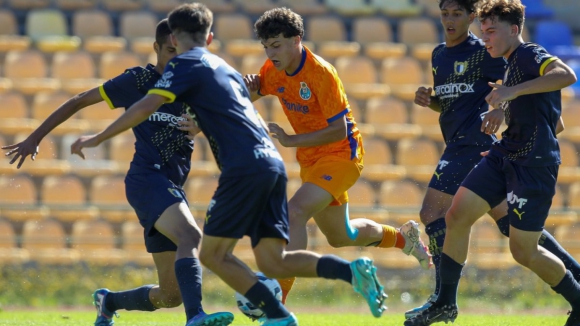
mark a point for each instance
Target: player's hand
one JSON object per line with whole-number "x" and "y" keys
{"x": 492, "y": 121}
{"x": 21, "y": 150}
{"x": 252, "y": 82}
{"x": 484, "y": 154}
{"x": 423, "y": 96}
{"x": 499, "y": 94}
{"x": 188, "y": 125}
{"x": 279, "y": 133}
{"x": 84, "y": 142}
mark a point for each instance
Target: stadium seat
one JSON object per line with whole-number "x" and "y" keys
{"x": 107, "y": 193}
{"x": 28, "y": 4}
{"x": 569, "y": 170}
{"x": 359, "y": 76}
{"x": 114, "y": 63}
{"x": 421, "y": 34}
{"x": 122, "y": 5}
{"x": 397, "y": 8}
{"x": 9, "y": 251}
{"x": 135, "y": 24}
{"x": 419, "y": 157}
{"x": 389, "y": 117}
{"x": 94, "y": 162}
{"x": 236, "y": 31}
{"x": 561, "y": 46}
{"x": 361, "y": 194}
{"x": 574, "y": 196}
{"x": 378, "y": 44}
{"x": 122, "y": 149}
{"x": 403, "y": 75}
{"x": 48, "y": 28}
{"x": 17, "y": 104}
{"x": 394, "y": 195}
{"x": 305, "y": 7}
{"x": 252, "y": 63}
{"x": 428, "y": 120}
{"x": 134, "y": 245}
{"x": 378, "y": 161}
{"x": 75, "y": 5}
{"x": 430, "y": 7}
{"x": 17, "y": 190}
{"x": 44, "y": 103}
{"x": 254, "y": 7}
{"x": 66, "y": 198}
{"x": 200, "y": 191}
{"x": 329, "y": 33}
{"x": 96, "y": 29}
{"x": 46, "y": 241}
{"x": 9, "y": 38}
{"x": 355, "y": 8}
{"x": 28, "y": 71}
{"x": 76, "y": 71}
{"x": 99, "y": 115}
{"x": 96, "y": 242}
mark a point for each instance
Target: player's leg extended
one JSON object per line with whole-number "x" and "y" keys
{"x": 499, "y": 214}
{"x": 435, "y": 205}
{"x": 178, "y": 224}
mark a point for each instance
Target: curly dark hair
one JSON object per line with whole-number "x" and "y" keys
{"x": 511, "y": 11}
{"x": 279, "y": 21}
{"x": 192, "y": 18}
{"x": 468, "y": 5}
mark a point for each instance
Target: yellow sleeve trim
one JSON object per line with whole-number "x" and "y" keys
{"x": 106, "y": 97}
{"x": 170, "y": 96}
{"x": 545, "y": 64}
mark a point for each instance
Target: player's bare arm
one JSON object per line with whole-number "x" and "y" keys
{"x": 335, "y": 131}
{"x": 253, "y": 84}
{"x": 557, "y": 75}
{"x": 29, "y": 146}
{"x": 188, "y": 125}
{"x": 423, "y": 98}
{"x": 136, "y": 114}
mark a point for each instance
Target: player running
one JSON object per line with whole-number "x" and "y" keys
{"x": 523, "y": 164}
{"x": 153, "y": 183}
{"x": 251, "y": 194}
{"x": 462, "y": 69}
{"x": 330, "y": 147}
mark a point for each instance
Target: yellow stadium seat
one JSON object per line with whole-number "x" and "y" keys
{"x": 350, "y": 7}
{"x": 96, "y": 29}
{"x": 28, "y": 70}
{"x": 62, "y": 190}
{"x": 568, "y": 237}
{"x": 73, "y": 65}
{"x": 378, "y": 161}
{"x": 9, "y": 251}
{"x": 305, "y": 7}
{"x": 397, "y": 8}
{"x": 99, "y": 115}
{"x": 9, "y": 38}
{"x": 569, "y": 170}
{"x": 18, "y": 109}
{"x": 574, "y": 196}
{"x": 122, "y": 5}
{"x": 48, "y": 27}
{"x": 432, "y": 8}
{"x": 108, "y": 191}
{"x": 359, "y": 77}
{"x": 94, "y": 162}
{"x": 419, "y": 157}
{"x": 200, "y": 190}
{"x": 134, "y": 245}
{"x": 122, "y": 149}
{"x": 256, "y": 7}
{"x": 428, "y": 120}
{"x": 361, "y": 194}
{"x": 251, "y": 64}
{"x": 28, "y": 4}
{"x": 114, "y": 63}
{"x": 233, "y": 27}
{"x": 417, "y": 30}
{"x": 389, "y": 117}
{"x": 75, "y": 5}
{"x": 45, "y": 103}
{"x": 17, "y": 190}
{"x": 403, "y": 75}
{"x": 96, "y": 242}
{"x": 46, "y": 241}
{"x": 401, "y": 194}
{"x": 330, "y": 35}
{"x": 137, "y": 24}
{"x": 378, "y": 44}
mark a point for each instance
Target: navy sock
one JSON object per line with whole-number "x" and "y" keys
{"x": 450, "y": 275}
{"x": 436, "y": 232}
{"x": 188, "y": 273}
{"x": 334, "y": 268}
{"x": 135, "y": 299}
{"x": 260, "y": 296}
{"x": 569, "y": 289}
{"x": 547, "y": 241}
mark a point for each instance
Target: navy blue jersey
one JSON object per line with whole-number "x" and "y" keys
{"x": 160, "y": 146}
{"x": 222, "y": 109}
{"x": 461, "y": 74}
{"x": 530, "y": 138}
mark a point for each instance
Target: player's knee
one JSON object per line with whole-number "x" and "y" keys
{"x": 520, "y": 254}
{"x": 427, "y": 215}
{"x": 337, "y": 242}
{"x": 210, "y": 259}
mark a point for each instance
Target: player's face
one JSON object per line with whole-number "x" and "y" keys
{"x": 499, "y": 37}
{"x": 455, "y": 21}
{"x": 284, "y": 52}
{"x": 165, "y": 52}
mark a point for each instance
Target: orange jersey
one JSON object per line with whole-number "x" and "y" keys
{"x": 312, "y": 98}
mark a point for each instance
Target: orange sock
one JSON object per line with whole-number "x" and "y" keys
{"x": 391, "y": 238}
{"x": 286, "y": 285}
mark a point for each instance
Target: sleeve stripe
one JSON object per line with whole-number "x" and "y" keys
{"x": 170, "y": 96}
{"x": 106, "y": 97}
{"x": 338, "y": 116}
{"x": 546, "y": 63}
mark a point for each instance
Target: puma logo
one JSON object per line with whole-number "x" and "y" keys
{"x": 434, "y": 70}
{"x": 207, "y": 217}
{"x": 438, "y": 175}
{"x": 173, "y": 64}
{"x": 518, "y": 213}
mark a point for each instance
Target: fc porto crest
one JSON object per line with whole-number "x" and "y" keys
{"x": 305, "y": 92}
{"x": 460, "y": 67}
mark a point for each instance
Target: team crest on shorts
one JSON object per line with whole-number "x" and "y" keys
{"x": 305, "y": 92}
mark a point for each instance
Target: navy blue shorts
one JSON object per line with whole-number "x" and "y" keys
{"x": 254, "y": 205}
{"x": 150, "y": 195}
{"x": 529, "y": 189}
{"x": 454, "y": 165}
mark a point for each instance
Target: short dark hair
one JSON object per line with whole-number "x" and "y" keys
{"x": 468, "y": 5}
{"x": 162, "y": 31}
{"x": 279, "y": 21}
{"x": 194, "y": 19}
{"x": 511, "y": 11}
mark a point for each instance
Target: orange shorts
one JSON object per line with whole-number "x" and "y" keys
{"x": 333, "y": 174}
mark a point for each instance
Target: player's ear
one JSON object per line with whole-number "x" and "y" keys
{"x": 156, "y": 47}
{"x": 297, "y": 40}
{"x": 173, "y": 40}
{"x": 209, "y": 38}
{"x": 515, "y": 30}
